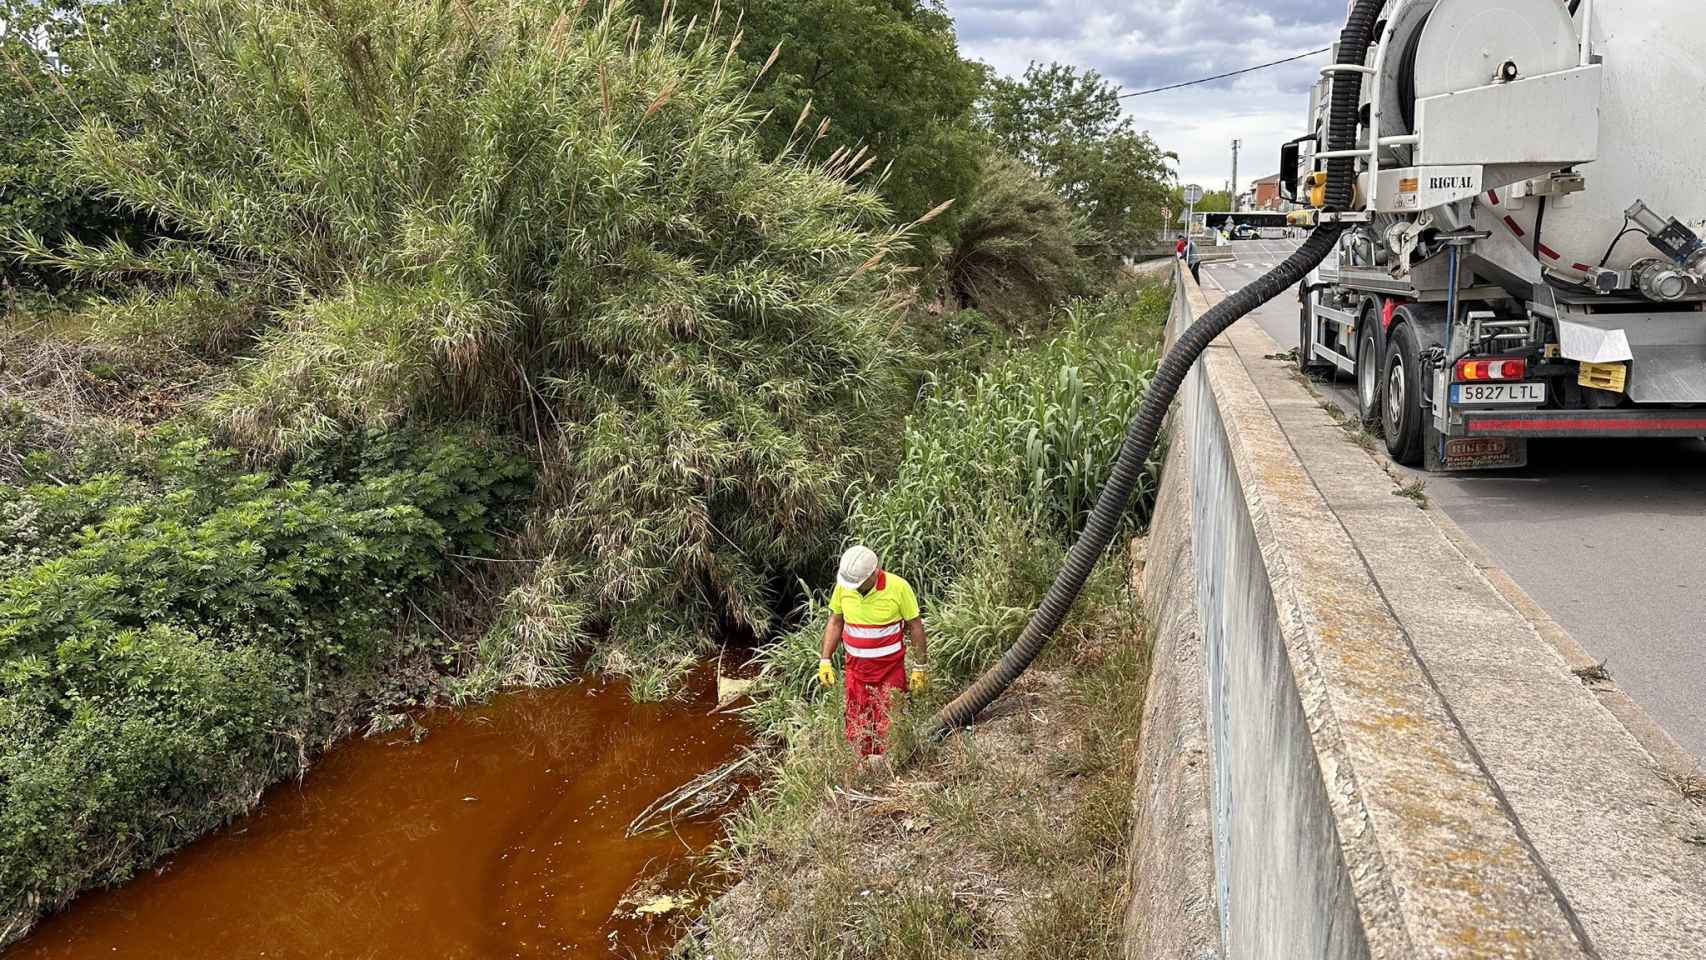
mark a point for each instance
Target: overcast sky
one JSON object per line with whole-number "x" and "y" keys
{"x": 1149, "y": 43}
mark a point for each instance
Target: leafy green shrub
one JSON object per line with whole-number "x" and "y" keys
{"x": 126, "y": 745}
{"x": 175, "y": 636}
{"x": 536, "y": 215}
{"x": 298, "y": 565}
{"x": 1015, "y": 257}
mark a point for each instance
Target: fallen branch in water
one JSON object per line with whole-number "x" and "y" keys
{"x": 701, "y": 795}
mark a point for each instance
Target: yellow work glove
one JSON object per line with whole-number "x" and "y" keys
{"x": 825, "y": 673}
{"x": 920, "y": 678}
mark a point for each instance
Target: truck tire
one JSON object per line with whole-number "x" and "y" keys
{"x": 1370, "y": 384}
{"x": 1401, "y": 409}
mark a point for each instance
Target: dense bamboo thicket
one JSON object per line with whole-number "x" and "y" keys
{"x": 1015, "y": 256}
{"x": 543, "y": 216}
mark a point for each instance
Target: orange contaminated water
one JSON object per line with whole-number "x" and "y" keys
{"x": 501, "y": 834}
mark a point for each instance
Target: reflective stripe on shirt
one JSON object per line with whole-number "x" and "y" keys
{"x": 873, "y": 623}
{"x": 866, "y": 632}
{"x": 869, "y": 641}
{"x": 868, "y": 653}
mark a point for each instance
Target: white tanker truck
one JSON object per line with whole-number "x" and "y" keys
{"x": 1524, "y": 258}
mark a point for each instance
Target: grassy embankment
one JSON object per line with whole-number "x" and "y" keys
{"x": 1010, "y": 840}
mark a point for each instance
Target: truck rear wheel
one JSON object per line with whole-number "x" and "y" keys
{"x": 1402, "y": 407}
{"x": 1369, "y": 368}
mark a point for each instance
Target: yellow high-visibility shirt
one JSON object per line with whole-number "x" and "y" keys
{"x": 875, "y": 621}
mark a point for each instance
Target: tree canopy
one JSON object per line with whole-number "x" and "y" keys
{"x": 887, "y": 74}
{"x": 1213, "y": 201}
{"x": 1070, "y": 128}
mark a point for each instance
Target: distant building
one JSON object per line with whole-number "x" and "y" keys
{"x": 1267, "y": 195}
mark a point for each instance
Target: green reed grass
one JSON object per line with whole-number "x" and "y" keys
{"x": 999, "y": 470}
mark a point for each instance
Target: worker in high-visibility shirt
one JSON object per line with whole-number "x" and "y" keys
{"x": 873, "y": 613}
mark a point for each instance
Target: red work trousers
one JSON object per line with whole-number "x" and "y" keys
{"x": 870, "y": 693}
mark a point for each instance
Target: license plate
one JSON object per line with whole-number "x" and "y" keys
{"x": 1484, "y": 453}
{"x": 1497, "y": 394}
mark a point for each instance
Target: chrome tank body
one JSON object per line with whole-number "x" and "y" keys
{"x": 1652, "y": 138}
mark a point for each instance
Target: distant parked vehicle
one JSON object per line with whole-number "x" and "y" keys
{"x": 1248, "y": 224}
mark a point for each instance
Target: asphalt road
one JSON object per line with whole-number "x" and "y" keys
{"x": 1609, "y": 536}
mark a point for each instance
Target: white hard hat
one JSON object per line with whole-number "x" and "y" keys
{"x": 857, "y": 565}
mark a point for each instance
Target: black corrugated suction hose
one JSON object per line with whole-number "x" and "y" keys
{"x": 1133, "y": 458}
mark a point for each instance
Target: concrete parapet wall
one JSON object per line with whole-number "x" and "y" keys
{"x": 1327, "y": 767}
{"x": 1173, "y": 909}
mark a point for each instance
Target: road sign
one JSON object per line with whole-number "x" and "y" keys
{"x": 1193, "y": 194}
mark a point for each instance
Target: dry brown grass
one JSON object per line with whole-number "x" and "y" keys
{"x": 65, "y": 388}
{"x": 1692, "y": 786}
{"x": 72, "y": 382}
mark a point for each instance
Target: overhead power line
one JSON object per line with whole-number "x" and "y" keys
{"x": 1223, "y": 76}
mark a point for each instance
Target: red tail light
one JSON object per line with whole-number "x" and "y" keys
{"x": 1492, "y": 369}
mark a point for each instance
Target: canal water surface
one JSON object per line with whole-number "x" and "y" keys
{"x": 501, "y": 834}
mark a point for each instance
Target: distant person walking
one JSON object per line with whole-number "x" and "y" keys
{"x": 874, "y": 613}
{"x": 1187, "y": 251}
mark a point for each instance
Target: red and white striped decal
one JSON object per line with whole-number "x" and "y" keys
{"x": 869, "y": 641}
{"x": 1540, "y": 248}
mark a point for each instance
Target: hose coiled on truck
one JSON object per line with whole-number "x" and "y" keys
{"x": 1105, "y": 517}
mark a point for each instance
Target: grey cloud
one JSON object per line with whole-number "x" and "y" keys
{"x": 1152, "y": 43}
